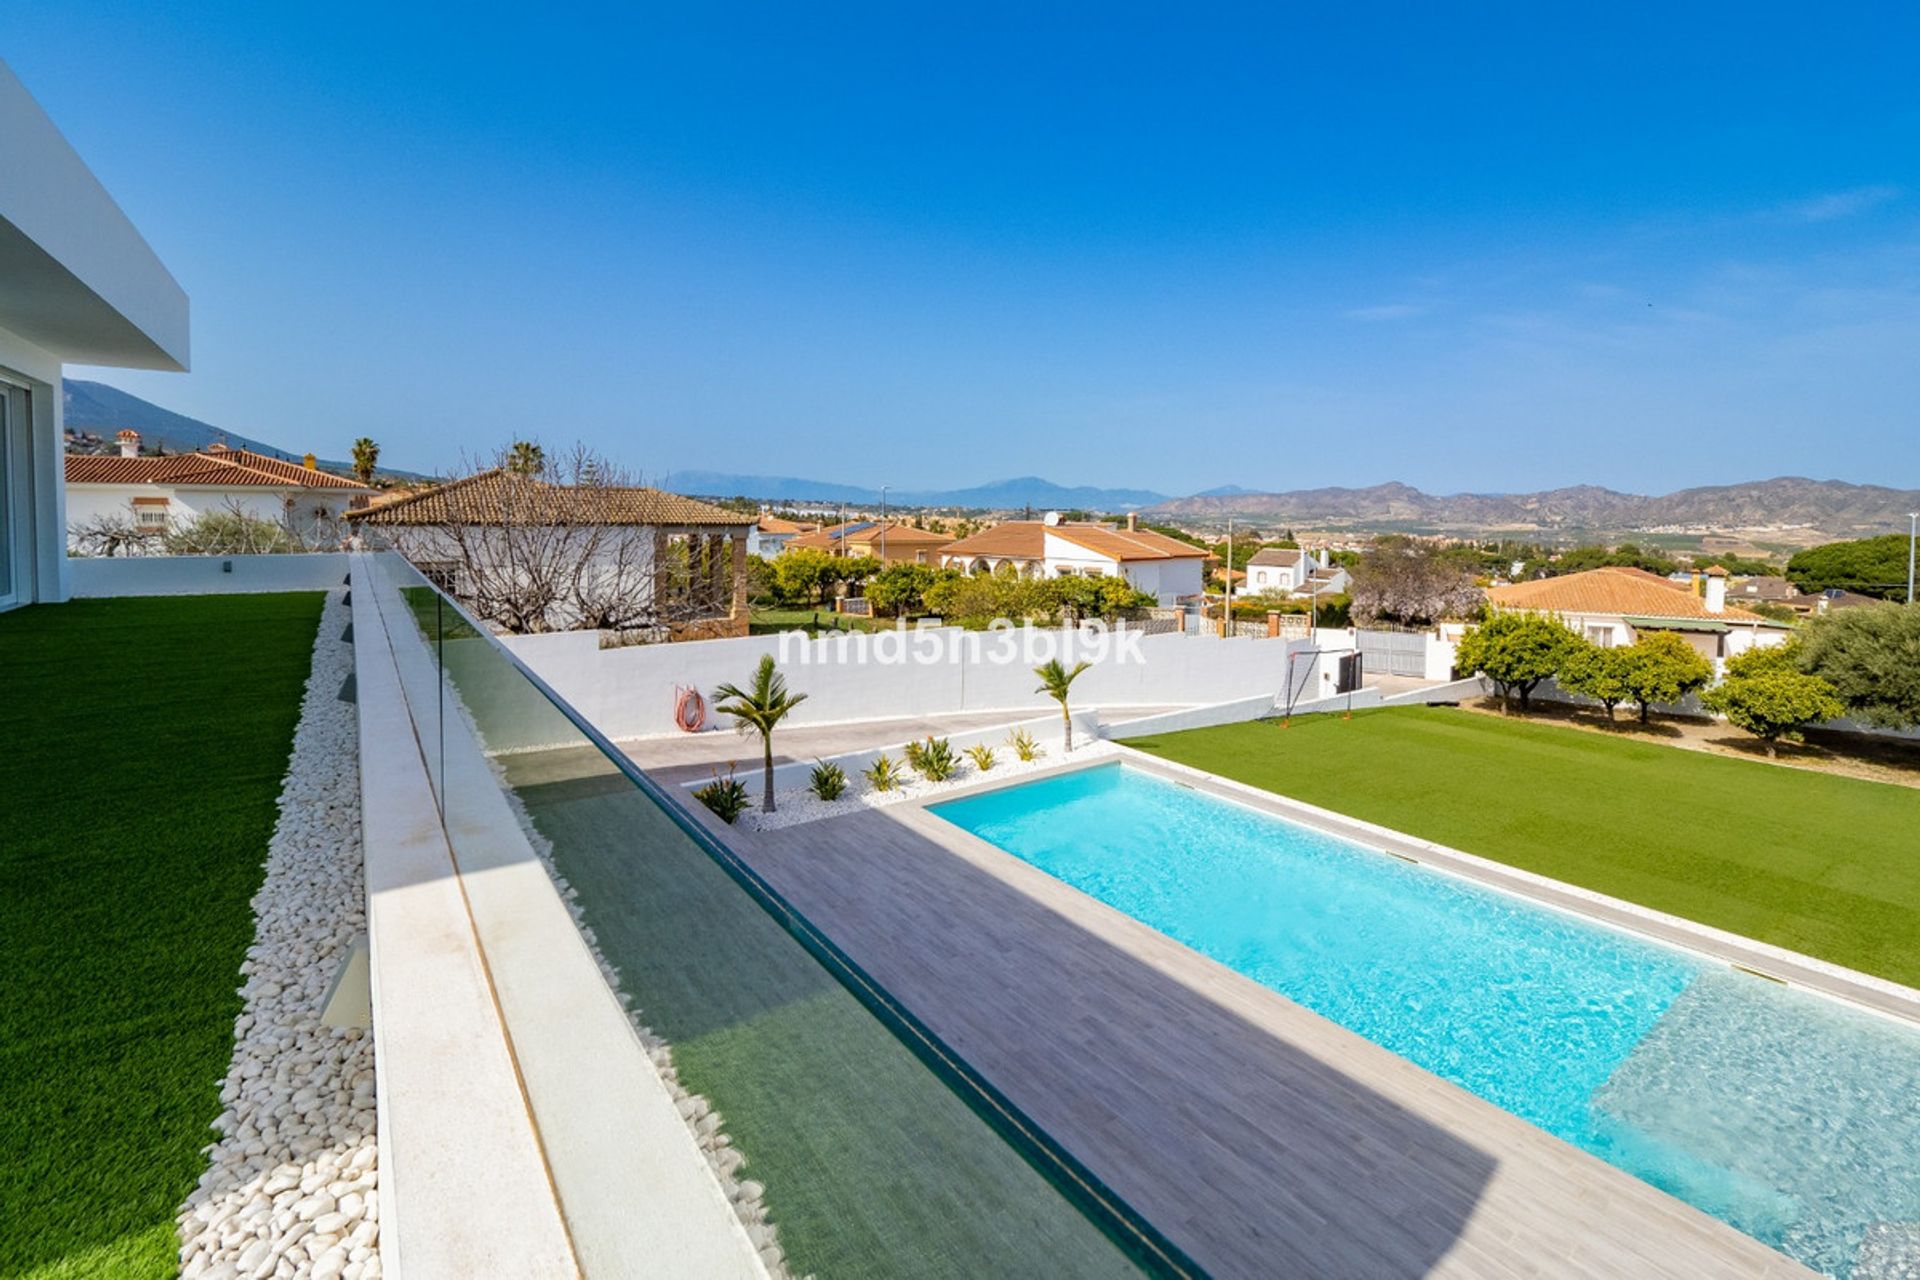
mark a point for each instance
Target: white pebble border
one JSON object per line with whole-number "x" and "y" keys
{"x": 709, "y": 1134}
{"x": 795, "y": 805}
{"x": 290, "y": 1190}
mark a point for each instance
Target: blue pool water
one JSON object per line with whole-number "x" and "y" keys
{"x": 1791, "y": 1116}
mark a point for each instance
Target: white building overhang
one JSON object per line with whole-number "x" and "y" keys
{"x": 77, "y": 280}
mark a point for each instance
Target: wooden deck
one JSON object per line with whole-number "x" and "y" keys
{"x": 1262, "y": 1138}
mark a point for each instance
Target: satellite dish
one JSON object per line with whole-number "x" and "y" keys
{"x": 1052, "y": 518}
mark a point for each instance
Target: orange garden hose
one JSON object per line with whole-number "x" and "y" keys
{"x": 690, "y": 711}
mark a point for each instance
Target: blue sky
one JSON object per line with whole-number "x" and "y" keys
{"x": 1488, "y": 248}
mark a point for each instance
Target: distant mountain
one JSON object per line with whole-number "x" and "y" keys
{"x": 1001, "y": 495}
{"x": 98, "y": 408}
{"x": 1829, "y": 507}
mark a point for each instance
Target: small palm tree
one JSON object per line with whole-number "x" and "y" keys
{"x": 1055, "y": 680}
{"x": 526, "y": 458}
{"x": 366, "y": 456}
{"x": 762, "y": 705}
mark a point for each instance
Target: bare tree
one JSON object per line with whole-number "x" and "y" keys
{"x": 558, "y": 543}
{"x": 1414, "y": 583}
{"x": 112, "y": 534}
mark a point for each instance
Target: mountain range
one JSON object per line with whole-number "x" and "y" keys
{"x": 1830, "y": 507}
{"x": 1000, "y": 495}
{"x": 1794, "y": 505}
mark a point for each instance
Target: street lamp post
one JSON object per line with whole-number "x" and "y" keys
{"x": 1913, "y": 536}
{"x": 883, "y": 526}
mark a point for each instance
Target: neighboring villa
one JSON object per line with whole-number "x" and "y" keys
{"x": 1763, "y": 589}
{"x": 151, "y": 494}
{"x": 890, "y": 541}
{"x": 1614, "y": 605}
{"x": 1291, "y": 571}
{"x": 771, "y": 534}
{"x": 1052, "y": 548}
{"x": 659, "y": 560}
{"x": 1815, "y": 603}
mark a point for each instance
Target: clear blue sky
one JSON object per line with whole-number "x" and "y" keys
{"x": 1156, "y": 245}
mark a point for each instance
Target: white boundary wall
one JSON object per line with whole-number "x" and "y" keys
{"x": 630, "y": 692}
{"x": 203, "y": 575}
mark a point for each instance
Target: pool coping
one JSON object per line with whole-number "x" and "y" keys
{"x": 1761, "y": 960}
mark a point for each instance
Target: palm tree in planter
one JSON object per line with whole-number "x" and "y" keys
{"x": 761, "y": 706}
{"x": 1055, "y": 680}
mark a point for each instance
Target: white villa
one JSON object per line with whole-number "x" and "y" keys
{"x": 152, "y": 493}
{"x": 1612, "y": 606}
{"x": 1053, "y": 548}
{"x": 1292, "y": 571}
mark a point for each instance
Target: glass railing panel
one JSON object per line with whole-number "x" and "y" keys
{"x": 865, "y": 1160}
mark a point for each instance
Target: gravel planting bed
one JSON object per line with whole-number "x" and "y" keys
{"x": 795, "y": 805}
{"x": 290, "y": 1187}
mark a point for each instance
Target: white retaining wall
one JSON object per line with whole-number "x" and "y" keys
{"x": 630, "y": 692}
{"x": 203, "y": 575}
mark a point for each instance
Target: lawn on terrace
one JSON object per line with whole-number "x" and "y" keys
{"x": 146, "y": 740}
{"x": 1825, "y": 865}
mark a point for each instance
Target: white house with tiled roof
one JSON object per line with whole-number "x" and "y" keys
{"x": 1167, "y": 568}
{"x": 155, "y": 493}
{"x": 1612, "y": 606}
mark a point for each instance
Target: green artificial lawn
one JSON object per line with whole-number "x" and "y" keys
{"x": 145, "y": 742}
{"x": 1824, "y": 865}
{"x": 770, "y": 621}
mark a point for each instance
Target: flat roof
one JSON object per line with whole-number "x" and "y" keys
{"x": 76, "y": 278}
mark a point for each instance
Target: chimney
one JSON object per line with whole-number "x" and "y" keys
{"x": 309, "y": 463}
{"x": 1130, "y": 522}
{"x": 1716, "y": 590}
{"x": 129, "y": 443}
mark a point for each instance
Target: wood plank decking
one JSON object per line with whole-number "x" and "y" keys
{"x": 1264, "y": 1139}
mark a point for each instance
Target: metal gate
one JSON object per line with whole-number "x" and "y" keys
{"x": 1394, "y": 653}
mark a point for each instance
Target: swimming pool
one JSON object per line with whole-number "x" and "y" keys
{"x": 1791, "y": 1116}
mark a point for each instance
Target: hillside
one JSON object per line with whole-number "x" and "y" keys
{"x": 1000, "y": 495}
{"x": 1831, "y": 508}
{"x": 98, "y": 408}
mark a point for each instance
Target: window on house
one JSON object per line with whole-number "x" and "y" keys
{"x": 441, "y": 573}
{"x": 1601, "y": 636}
{"x": 149, "y": 513}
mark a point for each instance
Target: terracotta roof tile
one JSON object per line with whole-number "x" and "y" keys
{"x": 481, "y": 499}
{"x": 234, "y": 468}
{"x": 1620, "y": 591}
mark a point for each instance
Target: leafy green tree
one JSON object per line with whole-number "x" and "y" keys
{"x": 760, "y": 707}
{"x": 1598, "y": 673}
{"x": 801, "y": 574}
{"x": 1765, "y": 692}
{"x": 1662, "y": 667}
{"x": 902, "y": 588}
{"x": 366, "y": 456}
{"x": 1517, "y": 651}
{"x": 1055, "y": 682}
{"x": 228, "y": 532}
{"x": 1871, "y": 657}
{"x": 1870, "y": 566}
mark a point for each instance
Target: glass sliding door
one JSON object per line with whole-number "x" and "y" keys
{"x": 15, "y": 512}
{"x": 11, "y": 537}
